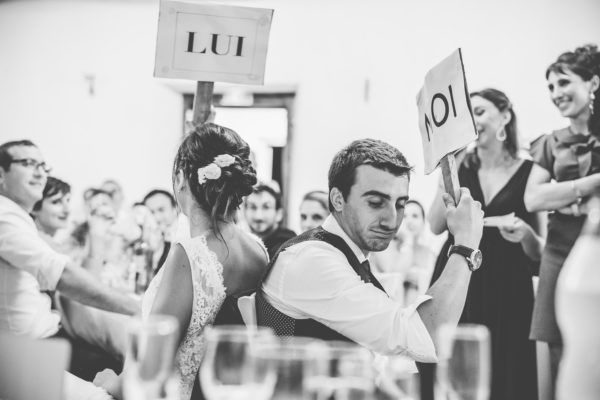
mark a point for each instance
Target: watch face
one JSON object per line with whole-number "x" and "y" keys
{"x": 476, "y": 259}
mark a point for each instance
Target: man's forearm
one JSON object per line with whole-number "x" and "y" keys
{"x": 79, "y": 285}
{"x": 448, "y": 296}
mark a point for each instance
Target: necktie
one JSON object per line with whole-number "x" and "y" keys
{"x": 365, "y": 271}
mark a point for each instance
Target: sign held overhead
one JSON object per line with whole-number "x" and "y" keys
{"x": 445, "y": 118}
{"x": 211, "y": 42}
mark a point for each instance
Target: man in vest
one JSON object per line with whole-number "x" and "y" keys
{"x": 320, "y": 284}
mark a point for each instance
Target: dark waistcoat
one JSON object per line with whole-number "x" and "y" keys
{"x": 284, "y": 325}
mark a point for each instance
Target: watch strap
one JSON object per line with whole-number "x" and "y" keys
{"x": 466, "y": 252}
{"x": 460, "y": 249}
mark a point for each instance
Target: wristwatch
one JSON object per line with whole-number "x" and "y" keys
{"x": 473, "y": 257}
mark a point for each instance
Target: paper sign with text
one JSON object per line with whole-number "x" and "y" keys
{"x": 445, "y": 118}
{"x": 210, "y": 42}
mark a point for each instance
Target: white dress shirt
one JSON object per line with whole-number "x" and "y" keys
{"x": 27, "y": 266}
{"x": 313, "y": 279}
